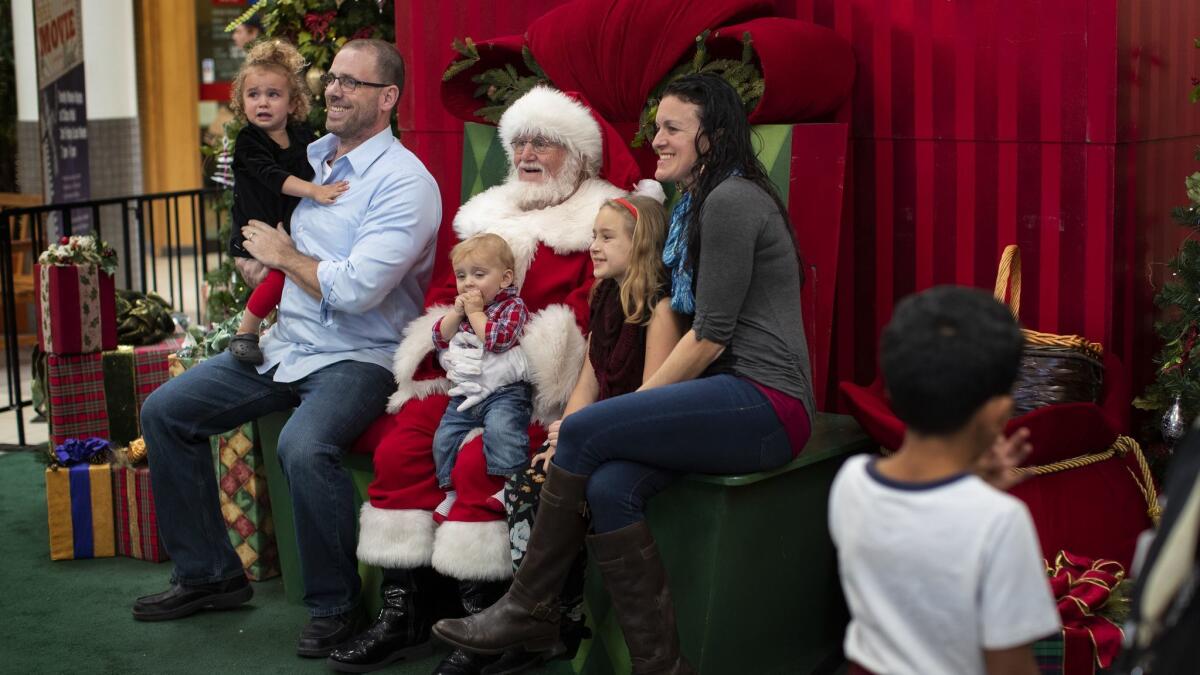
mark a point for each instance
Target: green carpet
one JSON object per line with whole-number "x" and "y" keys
{"x": 73, "y": 616}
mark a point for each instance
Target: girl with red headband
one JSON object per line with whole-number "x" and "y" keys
{"x": 632, "y": 331}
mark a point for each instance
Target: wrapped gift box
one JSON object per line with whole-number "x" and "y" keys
{"x": 245, "y": 504}
{"x": 75, "y": 390}
{"x": 242, "y": 488}
{"x": 79, "y": 504}
{"x": 136, "y": 520}
{"x": 1049, "y": 655}
{"x": 177, "y": 364}
{"x": 77, "y": 309}
{"x": 130, "y": 375}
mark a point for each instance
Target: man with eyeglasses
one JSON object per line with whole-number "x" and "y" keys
{"x": 356, "y": 271}
{"x": 561, "y": 171}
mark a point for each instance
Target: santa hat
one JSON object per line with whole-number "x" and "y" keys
{"x": 566, "y": 118}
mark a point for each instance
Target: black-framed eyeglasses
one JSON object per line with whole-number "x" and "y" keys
{"x": 348, "y": 83}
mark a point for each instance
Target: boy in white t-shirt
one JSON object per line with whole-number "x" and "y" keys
{"x": 942, "y": 571}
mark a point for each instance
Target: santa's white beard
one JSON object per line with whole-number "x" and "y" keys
{"x": 532, "y": 196}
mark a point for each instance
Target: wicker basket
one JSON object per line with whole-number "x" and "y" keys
{"x": 1054, "y": 368}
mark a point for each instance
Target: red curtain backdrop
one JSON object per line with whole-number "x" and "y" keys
{"x": 1061, "y": 126}
{"x": 424, "y": 31}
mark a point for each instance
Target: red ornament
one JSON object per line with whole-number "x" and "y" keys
{"x": 64, "y": 240}
{"x": 317, "y": 23}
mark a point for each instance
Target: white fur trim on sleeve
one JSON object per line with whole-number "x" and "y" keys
{"x": 414, "y": 346}
{"x": 555, "y": 349}
{"x": 395, "y": 538}
{"x": 473, "y": 551}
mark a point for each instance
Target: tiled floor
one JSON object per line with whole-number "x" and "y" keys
{"x": 37, "y": 432}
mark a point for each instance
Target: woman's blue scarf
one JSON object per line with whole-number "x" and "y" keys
{"x": 675, "y": 258}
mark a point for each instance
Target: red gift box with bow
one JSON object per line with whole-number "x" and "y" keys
{"x": 77, "y": 309}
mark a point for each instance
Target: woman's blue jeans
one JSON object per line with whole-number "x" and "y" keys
{"x": 334, "y": 405}
{"x": 633, "y": 446}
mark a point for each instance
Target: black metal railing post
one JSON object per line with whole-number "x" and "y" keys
{"x": 142, "y": 225}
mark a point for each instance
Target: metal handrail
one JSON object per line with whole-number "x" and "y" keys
{"x": 137, "y": 225}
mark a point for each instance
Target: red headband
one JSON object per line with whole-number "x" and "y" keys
{"x": 629, "y": 205}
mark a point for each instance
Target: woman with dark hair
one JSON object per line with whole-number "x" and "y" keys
{"x": 734, "y": 395}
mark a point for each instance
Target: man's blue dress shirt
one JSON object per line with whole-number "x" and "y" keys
{"x": 376, "y": 246}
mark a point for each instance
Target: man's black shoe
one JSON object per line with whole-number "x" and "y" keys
{"x": 180, "y": 601}
{"x": 324, "y": 633}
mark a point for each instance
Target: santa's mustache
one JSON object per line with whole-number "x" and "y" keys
{"x": 531, "y": 166}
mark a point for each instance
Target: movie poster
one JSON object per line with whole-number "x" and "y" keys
{"x": 62, "y": 111}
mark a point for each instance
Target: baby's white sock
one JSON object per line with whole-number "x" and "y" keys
{"x": 443, "y": 509}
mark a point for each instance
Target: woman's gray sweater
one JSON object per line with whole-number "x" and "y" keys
{"x": 748, "y": 291}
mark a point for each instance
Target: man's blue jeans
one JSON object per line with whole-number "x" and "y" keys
{"x": 633, "y": 446}
{"x": 504, "y": 416}
{"x": 334, "y": 405}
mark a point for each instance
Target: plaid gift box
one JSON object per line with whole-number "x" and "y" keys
{"x": 245, "y": 505}
{"x": 1049, "y": 655}
{"x": 136, "y": 521}
{"x": 130, "y": 375}
{"x": 79, "y": 510}
{"x": 77, "y": 309}
{"x": 75, "y": 390}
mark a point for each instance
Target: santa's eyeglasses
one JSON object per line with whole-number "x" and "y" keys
{"x": 541, "y": 145}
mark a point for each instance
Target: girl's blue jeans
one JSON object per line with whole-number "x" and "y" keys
{"x": 633, "y": 446}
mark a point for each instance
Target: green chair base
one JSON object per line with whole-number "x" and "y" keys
{"x": 361, "y": 472}
{"x": 753, "y": 571}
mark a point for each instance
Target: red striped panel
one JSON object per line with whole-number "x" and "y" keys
{"x": 424, "y": 32}
{"x": 1063, "y": 126}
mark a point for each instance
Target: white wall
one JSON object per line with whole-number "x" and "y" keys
{"x": 110, "y": 65}
{"x": 109, "y": 59}
{"x": 25, "y": 56}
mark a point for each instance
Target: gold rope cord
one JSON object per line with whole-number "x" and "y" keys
{"x": 1008, "y": 279}
{"x": 1122, "y": 446}
{"x": 1076, "y": 342}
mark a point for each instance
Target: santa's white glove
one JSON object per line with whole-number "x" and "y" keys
{"x": 463, "y": 360}
{"x": 472, "y": 393}
{"x": 498, "y": 370}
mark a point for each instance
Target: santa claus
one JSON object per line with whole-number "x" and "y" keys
{"x": 565, "y": 163}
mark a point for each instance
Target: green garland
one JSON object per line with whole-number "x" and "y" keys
{"x": 742, "y": 74}
{"x": 501, "y": 86}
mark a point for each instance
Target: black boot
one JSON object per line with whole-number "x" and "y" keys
{"x": 476, "y": 596}
{"x": 400, "y": 632}
{"x": 325, "y": 633}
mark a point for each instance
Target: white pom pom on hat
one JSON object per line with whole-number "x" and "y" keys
{"x": 648, "y": 187}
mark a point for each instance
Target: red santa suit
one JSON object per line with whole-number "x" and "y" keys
{"x": 554, "y": 274}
